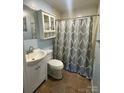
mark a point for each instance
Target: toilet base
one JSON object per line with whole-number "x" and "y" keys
{"x": 56, "y": 74}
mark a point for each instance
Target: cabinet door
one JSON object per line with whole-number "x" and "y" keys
{"x": 52, "y": 23}
{"x": 42, "y": 71}
{"x": 33, "y": 77}
{"x": 46, "y": 22}
{"x": 37, "y": 74}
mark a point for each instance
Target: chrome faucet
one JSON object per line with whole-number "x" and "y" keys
{"x": 31, "y": 48}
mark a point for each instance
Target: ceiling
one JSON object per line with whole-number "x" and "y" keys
{"x": 67, "y": 5}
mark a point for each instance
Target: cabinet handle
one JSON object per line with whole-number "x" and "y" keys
{"x": 37, "y": 67}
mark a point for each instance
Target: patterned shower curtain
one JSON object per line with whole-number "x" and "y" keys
{"x": 73, "y": 45}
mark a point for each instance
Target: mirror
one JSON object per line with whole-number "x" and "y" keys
{"x": 52, "y": 23}
{"x": 28, "y": 23}
{"x": 24, "y": 24}
{"x": 46, "y": 22}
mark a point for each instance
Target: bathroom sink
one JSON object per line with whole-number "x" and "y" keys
{"x": 36, "y": 55}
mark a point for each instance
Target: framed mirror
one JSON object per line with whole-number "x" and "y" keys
{"x": 28, "y": 23}
{"x": 24, "y": 24}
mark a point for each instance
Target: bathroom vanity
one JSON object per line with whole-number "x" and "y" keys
{"x": 36, "y": 74}
{"x": 36, "y": 70}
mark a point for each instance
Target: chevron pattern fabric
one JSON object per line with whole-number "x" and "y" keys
{"x": 73, "y": 45}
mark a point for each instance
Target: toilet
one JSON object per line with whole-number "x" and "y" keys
{"x": 54, "y": 66}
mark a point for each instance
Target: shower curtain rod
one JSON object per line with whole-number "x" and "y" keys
{"x": 78, "y": 17}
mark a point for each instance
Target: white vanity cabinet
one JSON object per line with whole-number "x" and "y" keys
{"x": 45, "y": 25}
{"x": 37, "y": 73}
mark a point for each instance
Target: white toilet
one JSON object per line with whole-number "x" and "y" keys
{"x": 54, "y": 66}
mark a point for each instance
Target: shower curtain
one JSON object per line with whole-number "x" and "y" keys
{"x": 73, "y": 45}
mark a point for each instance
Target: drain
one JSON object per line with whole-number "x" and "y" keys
{"x": 33, "y": 58}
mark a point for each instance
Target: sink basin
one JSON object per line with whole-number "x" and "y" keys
{"x": 36, "y": 55}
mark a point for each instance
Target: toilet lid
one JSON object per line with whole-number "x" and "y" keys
{"x": 55, "y": 63}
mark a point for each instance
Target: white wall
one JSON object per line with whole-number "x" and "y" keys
{"x": 25, "y": 80}
{"x": 41, "y": 4}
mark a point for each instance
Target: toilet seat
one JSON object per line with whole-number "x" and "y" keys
{"x": 56, "y": 64}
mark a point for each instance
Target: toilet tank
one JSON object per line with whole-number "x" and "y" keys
{"x": 49, "y": 54}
